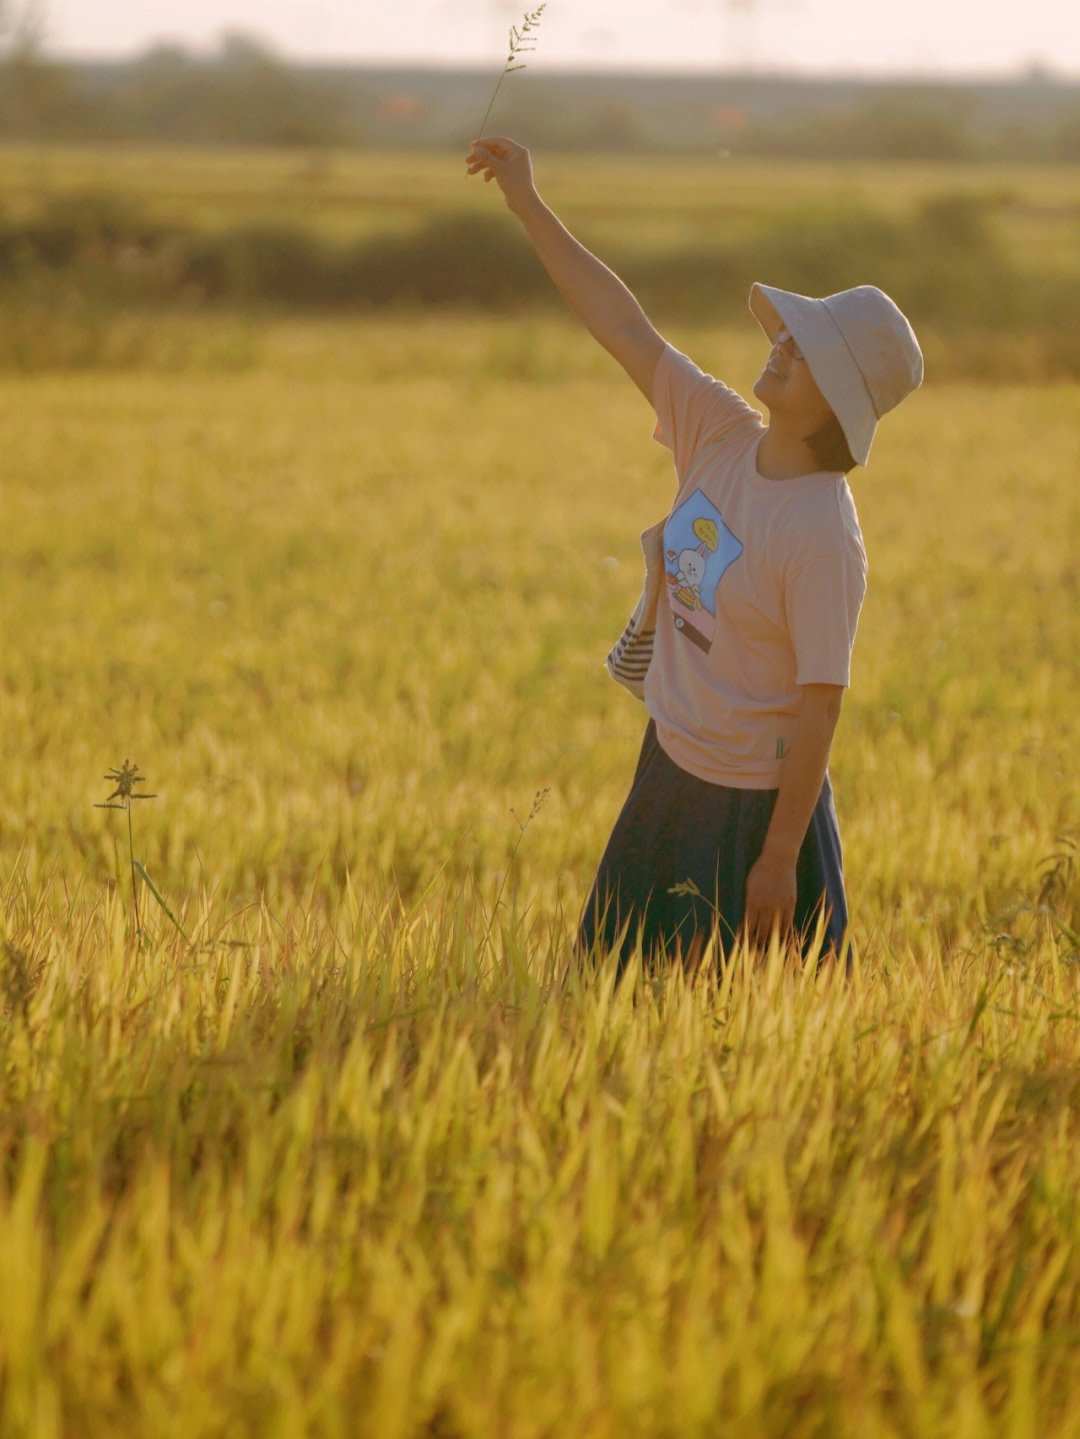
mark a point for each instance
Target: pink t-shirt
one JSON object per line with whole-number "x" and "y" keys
{"x": 763, "y": 580}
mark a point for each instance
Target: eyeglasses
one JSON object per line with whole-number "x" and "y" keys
{"x": 783, "y": 336}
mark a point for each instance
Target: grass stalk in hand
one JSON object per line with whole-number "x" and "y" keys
{"x": 521, "y": 42}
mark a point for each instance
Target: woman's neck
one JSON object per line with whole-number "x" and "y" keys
{"x": 784, "y": 456}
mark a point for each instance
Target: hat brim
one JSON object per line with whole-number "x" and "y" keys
{"x": 765, "y": 312}
{"x": 831, "y": 363}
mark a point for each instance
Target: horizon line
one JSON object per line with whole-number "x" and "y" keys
{"x": 1031, "y": 71}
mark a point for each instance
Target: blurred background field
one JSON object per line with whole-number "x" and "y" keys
{"x": 101, "y": 248}
{"x": 318, "y": 508}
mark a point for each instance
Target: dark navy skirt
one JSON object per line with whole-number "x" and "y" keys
{"x": 678, "y": 834}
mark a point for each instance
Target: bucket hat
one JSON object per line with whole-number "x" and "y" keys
{"x": 861, "y": 350}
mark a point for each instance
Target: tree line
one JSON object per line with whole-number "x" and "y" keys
{"x": 244, "y": 94}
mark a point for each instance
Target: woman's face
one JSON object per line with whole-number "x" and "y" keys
{"x": 787, "y": 388}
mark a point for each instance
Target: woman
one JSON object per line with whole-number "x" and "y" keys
{"x": 754, "y": 583}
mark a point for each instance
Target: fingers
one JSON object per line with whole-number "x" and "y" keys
{"x": 763, "y": 921}
{"x": 484, "y": 151}
{"x": 488, "y": 154}
{"x": 480, "y": 159}
{"x": 758, "y": 925}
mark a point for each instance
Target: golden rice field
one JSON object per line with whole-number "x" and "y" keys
{"x": 345, "y": 1141}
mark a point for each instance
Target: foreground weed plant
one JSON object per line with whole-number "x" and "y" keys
{"x": 537, "y": 804}
{"x": 127, "y": 779}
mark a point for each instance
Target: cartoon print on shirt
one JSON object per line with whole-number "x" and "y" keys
{"x": 698, "y": 547}
{"x": 691, "y": 571}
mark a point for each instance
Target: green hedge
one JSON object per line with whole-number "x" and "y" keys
{"x": 942, "y": 264}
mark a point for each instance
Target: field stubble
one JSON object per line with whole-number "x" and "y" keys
{"x": 373, "y": 1155}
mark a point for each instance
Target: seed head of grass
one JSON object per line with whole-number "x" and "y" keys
{"x": 125, "y": 779}
{"x": 520, "y": 42}
{"x": 537, "y": 804}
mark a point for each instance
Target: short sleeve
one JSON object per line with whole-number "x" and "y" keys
{"x": 693, "y": 410}
{"x": 823, "y": 593}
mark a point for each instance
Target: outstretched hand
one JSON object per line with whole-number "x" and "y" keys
{"x": 506, "y": 162}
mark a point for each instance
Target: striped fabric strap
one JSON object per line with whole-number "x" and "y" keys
{"x": 632, "y": 654}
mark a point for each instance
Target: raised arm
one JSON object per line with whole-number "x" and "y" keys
{"x": 608, "y": 309}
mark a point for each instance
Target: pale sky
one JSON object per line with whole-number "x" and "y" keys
{"x": 821, "y": 36}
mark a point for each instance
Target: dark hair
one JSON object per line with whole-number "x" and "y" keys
{"x": 830, "y": 447}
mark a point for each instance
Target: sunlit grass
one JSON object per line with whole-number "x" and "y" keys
{"x": 349, "y": 1172}
{"x": 374, "y": 1153}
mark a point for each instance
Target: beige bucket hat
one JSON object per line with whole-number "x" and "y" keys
{"x": 861, "y": 350}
